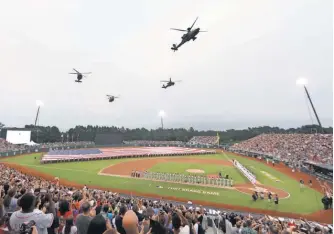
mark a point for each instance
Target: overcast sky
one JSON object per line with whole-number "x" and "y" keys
{"x": 241, "y": 73}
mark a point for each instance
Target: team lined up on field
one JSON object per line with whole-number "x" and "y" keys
{"x": 181, "y": 178}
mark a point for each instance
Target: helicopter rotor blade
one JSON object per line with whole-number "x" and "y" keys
{"x": 86, "y": 73}
{"x": 176, "y": 29}
{"x": 177, "y": 81}
{"x": 193, "y": 24}
{"x": 73, "y": 73}
{"x": 164, "y": 80}
{"x": 76, "y": 71}
{"x": 203, "y": 31}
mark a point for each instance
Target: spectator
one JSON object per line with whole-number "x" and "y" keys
{"x": 28, "y": 213}
{"x": 292, "y": 148}
{"x": 10, "y": 202}
{"x": 136, "y": 209}
{"x": 98, "y": 225}
{"x": 204, "y": 140}
{"x": 63, "y": 213}
{"x": 248, "y": 228}
{"x": 69, "y": 227}
{"x": 105, "y": 212}
{"x": 83, "y": 220}
{"x": 119, "y": 220}
{"x": 180, "y": 224}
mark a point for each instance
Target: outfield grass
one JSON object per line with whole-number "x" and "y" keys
{"x": 300, "y": 201}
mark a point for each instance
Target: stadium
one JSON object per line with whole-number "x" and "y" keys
{"x": 197, "y": 173}
{"x": 166, "y": 117}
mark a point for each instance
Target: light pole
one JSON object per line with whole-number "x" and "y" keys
{"x": 162, "y": 115}
{"x": 303, "y": 82}
{"x": 39, "y": 103}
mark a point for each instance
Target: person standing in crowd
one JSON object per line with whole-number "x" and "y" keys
{"x": 119, "y": 219}
{"x": 28, "y": 213}
{"x": 10, "y": 202}
{"x": 64, "y": 213}
{"x": 83, "y": 220}
{"x": 69, "y": 227}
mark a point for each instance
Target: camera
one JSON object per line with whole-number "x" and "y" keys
{"x": 26, "y": 228}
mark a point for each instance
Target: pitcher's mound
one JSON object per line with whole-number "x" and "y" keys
{"x": 195, "y": 171}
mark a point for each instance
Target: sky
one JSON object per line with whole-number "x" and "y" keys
{"x": 239, "y": 74}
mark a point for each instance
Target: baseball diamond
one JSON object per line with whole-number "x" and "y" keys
{"x": 160, "y": 171}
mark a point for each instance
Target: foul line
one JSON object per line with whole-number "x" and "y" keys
{"x": 227, "y": 157}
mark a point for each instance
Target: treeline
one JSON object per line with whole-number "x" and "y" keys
{"x": 87, "y": 133}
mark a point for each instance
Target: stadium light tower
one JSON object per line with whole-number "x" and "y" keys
{"x": 39, "y": 103}
{"x": 303, "y": 82}
{"x": 162, "y": 114}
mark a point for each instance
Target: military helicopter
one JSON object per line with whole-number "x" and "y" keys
{"x": 111, "y": 98}
{"x": 79, "y": 75}
{"x": 190, "y": 35}
{"x": 169, "y": 83}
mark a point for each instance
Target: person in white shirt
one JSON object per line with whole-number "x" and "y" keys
{"x": 177, "y": 221}
{"x": 69, "y": 227}
{"x": 28, "y": 213}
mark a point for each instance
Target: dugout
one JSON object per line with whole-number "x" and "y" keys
{"x": 323, "y": 171}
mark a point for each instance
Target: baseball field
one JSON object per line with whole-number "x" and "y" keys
{"x": 114, "y": 175}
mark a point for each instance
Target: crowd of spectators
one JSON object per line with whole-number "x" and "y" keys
{"x": 58, "y": 209}
{"x": 147, "y": 142}
{"x": 292, "y": 148}
{"x": 6, "y": 146}
{"x": 204, "y": 140}
{"x": 66, "y": 144}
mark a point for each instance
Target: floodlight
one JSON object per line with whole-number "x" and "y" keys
{"x": 162, "y": 113}
{"x": 301, "y": 81}
{"x": 39, "y": 103}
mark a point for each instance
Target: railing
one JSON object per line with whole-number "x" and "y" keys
{"x": 40, "y": 150}
{"x": 245, "y": 171}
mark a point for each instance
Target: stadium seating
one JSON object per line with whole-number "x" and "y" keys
{"x": 5, "y": 146}
{"x": 292, "y": 148}
{"x": 204, "y": 140}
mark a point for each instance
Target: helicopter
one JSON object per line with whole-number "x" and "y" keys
{"x": 111, "y": 98}
{"x": 169, "y": 83}
{"x": 79, "y": 75}
{"x": 190, "y": 35}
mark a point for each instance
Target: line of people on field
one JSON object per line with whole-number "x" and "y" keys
{"x": 182, "y": 178}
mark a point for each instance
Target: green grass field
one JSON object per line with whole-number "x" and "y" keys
{"x": 300, "y": 201}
